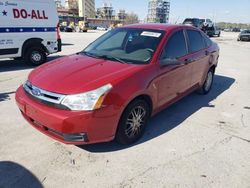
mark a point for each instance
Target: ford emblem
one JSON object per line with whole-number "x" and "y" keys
{"x": 36, "y": 92}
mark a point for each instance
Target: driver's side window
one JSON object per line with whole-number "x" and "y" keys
{"x": 175, "y": 47}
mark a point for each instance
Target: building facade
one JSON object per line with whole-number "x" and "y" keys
{"x": 66, "y": 4}
{"x": 106, "y": 12}
{"x": 81, "y": 8}
{"x": 158, "y": 11}
{"x": 87, "y": 8}
{"x": 121, "y": 15}
{"x": 73, "y": 7}
{"x": 58, "y": 3}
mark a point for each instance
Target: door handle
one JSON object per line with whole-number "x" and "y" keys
{"x": 207, "y": 52}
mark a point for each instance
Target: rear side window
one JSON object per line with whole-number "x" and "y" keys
{"x": 207, "y": 40}
{"x": 175, "y": 47}
{"x": 196, "y": 41}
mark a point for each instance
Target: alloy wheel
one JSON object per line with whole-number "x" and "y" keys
{"x": 135, "y": 121}
{"x": 209, "y": 81}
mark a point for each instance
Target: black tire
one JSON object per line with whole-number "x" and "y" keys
{"x": 35, "y": 56}
{"x": 219, "y": 34}
{"x": 131, "y": 130}
{"x": 207, "y": 86}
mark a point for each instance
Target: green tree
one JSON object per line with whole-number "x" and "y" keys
{"x": 228, "y": 25}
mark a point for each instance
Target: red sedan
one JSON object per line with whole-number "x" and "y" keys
{"x": 111, "y": 89}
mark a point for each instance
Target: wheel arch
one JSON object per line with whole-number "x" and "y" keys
{"x": 143, "y": 97}
{"x": 33, "y": 42}
{"x": 212, "y": 67}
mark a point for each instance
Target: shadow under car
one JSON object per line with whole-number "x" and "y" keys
{"x": 171, "y": 117}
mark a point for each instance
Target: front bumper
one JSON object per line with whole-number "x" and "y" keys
{"x": 245, "y": 38}
{"x": 67, "y": 126}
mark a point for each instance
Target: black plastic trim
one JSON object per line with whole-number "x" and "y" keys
{"x": 8, "y": 51}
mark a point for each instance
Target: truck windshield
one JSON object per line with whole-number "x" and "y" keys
{"x": 126, "y": 45}
{"x": 246, "y": 32}
{"x": 193, "y": 22}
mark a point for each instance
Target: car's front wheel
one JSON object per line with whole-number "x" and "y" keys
{"x": 206, "y": 87}
{"x": 133, "y": 122}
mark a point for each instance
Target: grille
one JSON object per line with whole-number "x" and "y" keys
{"x": 46, "y": 97}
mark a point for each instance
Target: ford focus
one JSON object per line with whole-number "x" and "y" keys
{"x": 112, "y": 88}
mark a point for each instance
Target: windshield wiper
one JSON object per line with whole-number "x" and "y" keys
{"x": 110, "y": 57}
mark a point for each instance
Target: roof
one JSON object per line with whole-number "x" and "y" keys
{"x": 157, "y": 26}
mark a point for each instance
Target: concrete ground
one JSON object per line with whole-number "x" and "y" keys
{"x": 201, "y": 141}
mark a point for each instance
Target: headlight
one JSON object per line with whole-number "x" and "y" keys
{"x": 87, "y": 101}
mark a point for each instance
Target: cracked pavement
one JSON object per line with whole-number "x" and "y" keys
{"x": 201, "y": 141}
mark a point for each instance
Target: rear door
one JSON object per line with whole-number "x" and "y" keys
{"x": 174, "y": 80}
{"x": 199, "y": 56}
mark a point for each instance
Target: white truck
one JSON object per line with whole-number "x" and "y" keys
{"x": 29, "y": 30}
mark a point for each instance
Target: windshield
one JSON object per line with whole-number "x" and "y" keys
{"x": 246, "y": 32}
{"x": 202, "y": 21}
{"x": 126, "y": 45}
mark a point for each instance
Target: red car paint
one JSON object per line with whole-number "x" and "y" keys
{"x": 164, "y": 85}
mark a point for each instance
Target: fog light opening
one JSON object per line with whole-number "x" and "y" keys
{"x": 80, "y": 137}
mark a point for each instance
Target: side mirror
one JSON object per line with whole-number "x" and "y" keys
{"x": 168, "y": 61}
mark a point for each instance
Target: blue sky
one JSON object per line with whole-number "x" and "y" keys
{"x": 218, "y": 10}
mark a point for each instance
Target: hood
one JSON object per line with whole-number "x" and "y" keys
{"x": 79, "y": 73}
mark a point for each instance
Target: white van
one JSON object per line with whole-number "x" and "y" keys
{"x": 29, "y": 30}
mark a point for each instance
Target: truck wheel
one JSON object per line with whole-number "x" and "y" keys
{"x": 206, "y": 88}
{"x": 35, "y": 56}
{"x": 133, "y": 122}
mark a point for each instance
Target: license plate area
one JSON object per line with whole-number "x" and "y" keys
{"x": 21, "y": 107}
{"x": 30, "y": 111}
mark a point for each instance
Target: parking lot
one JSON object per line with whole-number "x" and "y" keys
{"x": 201, "y": 141}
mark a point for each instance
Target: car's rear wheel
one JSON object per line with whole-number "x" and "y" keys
{"x": 133, "y": 122}
{"x": 35, "y": 56}
{"x": 206, "y": 88}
